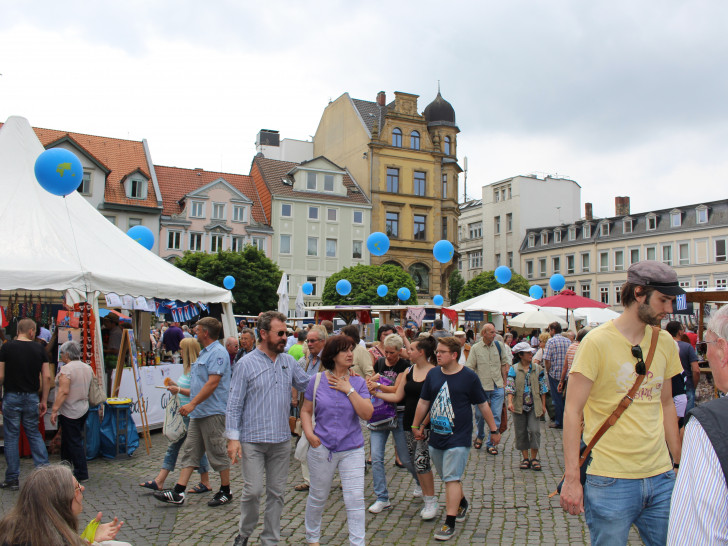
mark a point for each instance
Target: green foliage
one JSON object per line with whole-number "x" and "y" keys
{"x": 364, "y": 281}
{"x": 256, "y": 276}
{"x": 455, "y": 285}
{"x": 485, "y": 282}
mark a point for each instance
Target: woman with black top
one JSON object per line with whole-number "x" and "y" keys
{"x": 422, "y": 355}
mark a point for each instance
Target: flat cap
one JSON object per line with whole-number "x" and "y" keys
{"x": 659, "y": 276}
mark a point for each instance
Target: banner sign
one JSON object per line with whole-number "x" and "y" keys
{"x": 156, "y": 399}
{"x": 475, "y": 316}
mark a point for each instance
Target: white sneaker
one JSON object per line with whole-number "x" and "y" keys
{"x": 379, "y": 506}
{"x": 417, "y": 491}
{"x": 430, "y": 509}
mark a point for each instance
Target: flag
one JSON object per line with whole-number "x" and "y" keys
{"x": 300, "y": 311}
{"x": 681, "y": 302}
{"x": 283, "y": 295}
{"x": 3, "y": 319}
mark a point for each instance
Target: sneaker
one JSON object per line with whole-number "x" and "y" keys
{"x": 462, "y": 513}
{"x": 240, "y": 541}
{"x": 220, "y": 498}
{"x": 430, "y": 510}
{"x": 170, "y": 496}
{"x": 13, "y": 485}
{"x": 417, "y": 492}
{"x": 444, "y": 533}
{"x": 379, "y": 506}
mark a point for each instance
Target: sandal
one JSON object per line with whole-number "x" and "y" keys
{"x": 525, "y": 464}
{"x": 478, "y": 443}
{"x": 535, "y": 464}
{"x": 492, "y": 450}
{"x": 151, "y": 484}
{"x": 302, "y": 487}
{"x": 199, "y": 488}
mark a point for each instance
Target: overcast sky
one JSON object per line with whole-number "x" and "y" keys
{"x": 626, "y": 98}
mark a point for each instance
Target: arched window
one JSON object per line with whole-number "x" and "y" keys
{"x": 396, "y": 137}
{"x": 420, "y": 273}
{"x": 447, "y": 145}
{"x": 415, "y": 140}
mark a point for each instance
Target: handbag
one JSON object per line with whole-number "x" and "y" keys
{"x": 302, "y": 446}
{"x": 174, "y": 425}
{"x": 585, "y": 450}
{"x": 96, "y": 395}
{"x": 384, "y": 416}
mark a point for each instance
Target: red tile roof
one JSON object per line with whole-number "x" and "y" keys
{"x": 175, "y": 183}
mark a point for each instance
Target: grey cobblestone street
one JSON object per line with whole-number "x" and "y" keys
{"x": 508, "y": 505}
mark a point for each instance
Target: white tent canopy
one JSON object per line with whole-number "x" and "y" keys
{"x": 537, "y": 318}
{"x": 595, "y": 315}
{"x": 500, "y": 300}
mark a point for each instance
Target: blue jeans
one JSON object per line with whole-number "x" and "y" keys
{"x": 170, "y": 457}
{"x": 612, "y": 505}
{"x": 557, "y": 399}
{"x": 22, "y": 407}
{"x": 495, "y": 399}
{"x": 378, "y": 443}
{"x": 690, "y": 393}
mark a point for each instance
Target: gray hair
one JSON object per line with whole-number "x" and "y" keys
{"x": 581, "y": 334}
{"x": 393, "y": 341}
{"x": 71, "y": 349}
{"x": 248, "y": 331}
{"x": 718, "y": 323}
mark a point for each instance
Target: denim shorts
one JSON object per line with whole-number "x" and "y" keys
{"x": 450, "y": 463}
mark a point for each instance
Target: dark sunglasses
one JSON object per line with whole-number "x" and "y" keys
{"x": 280, "y": 333}
{"x": 701, "y": 347}
{"x": 640, "y": 368}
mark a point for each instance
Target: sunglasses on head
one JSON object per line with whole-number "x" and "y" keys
{"x": 639, "y": 368}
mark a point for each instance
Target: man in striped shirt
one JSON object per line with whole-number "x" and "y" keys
{"x": 257, "y": 427}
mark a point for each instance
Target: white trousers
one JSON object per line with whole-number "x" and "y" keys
{"x": 322, "y": 465}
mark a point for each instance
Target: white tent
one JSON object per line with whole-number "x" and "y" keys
{"x": 536, "y": 318}
{"x": 65, "y": 244}
{"x": 595, "y": 315}
{"x": 500, "y": 300}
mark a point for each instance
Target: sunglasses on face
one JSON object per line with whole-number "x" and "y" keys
{"x": 701, "y": 347}
{"x": 639, "y": 368}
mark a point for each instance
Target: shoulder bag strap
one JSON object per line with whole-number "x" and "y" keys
{"x": 315, "y": 388}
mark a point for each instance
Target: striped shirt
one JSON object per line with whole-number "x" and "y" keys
{"x": 699, "y": 506}
{"x": 260, "y": 398}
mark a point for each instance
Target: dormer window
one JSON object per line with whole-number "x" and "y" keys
{"x": 197, "y": 209}
{"x": 604, "y": 230}
{"x": 136, "y": 188}
{"x": 531, "y": 240}
{"x": 675, "y": 218}
{"x": 651, "y": 222}
{"x": 701, "y": 214}
{"x": 586, "y": 231}
{"x": 328, "y": 182}
{"x": 557, "y": 236}
{"x": 572, "y": 233}
{"x": 544, "y": 238}
{"x": 239, "y": 213}
{"x": 627, "y": 225}
{"x": 311, "y": 181}
{"x": 397, "y": 137}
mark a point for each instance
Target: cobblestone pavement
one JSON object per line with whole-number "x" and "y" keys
{"x": 508, "y": 505}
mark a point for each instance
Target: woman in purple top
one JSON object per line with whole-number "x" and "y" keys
{"x": 337, "y": 442}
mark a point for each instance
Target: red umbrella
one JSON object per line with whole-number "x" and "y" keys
{"x": 567, "y": 299}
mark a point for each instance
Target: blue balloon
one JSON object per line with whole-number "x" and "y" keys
{"x": 438, "y": 300}
{"x": 59, "y": 171}
{"x": 503, "y": 274}
{"x": 229, "y": 282}
{"x": 403, "y": 294}
{"x": 343, "y": 287}
{"x": 382, "y": 290}
{"x": 307, "y": 288}
{"x": 443, "y": 251}
{"x": 536, "y": 292}
{"x": 557, "y": 282}
{"x": 142, "y": 235}
{"x": 378, "y": 243}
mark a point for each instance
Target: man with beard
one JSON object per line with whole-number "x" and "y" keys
{"x": 631, "y": 477}
{"x": 257, "y": 425}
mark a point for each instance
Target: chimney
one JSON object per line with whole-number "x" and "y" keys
{"x": 588, "y": 211}
{"x": 621, "y": 206}
{"x": 381, "y": 98}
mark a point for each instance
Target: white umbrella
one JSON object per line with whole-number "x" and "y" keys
{"x": 300, "y": 304}
{"x": 500, "y": 300}
{"x": 594, "y": 315}
{"x": 283, "y": 295}
{"x": 538, "y": 318}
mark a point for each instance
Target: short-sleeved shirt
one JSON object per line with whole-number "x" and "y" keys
{"x": 634, "y": 447}
{"x": 555, "y": 353}
{"x": 212, "y": 360}
{"x": 23, "y": 364}
{"x": 79, "y": 374}
{"x": 570, "y": 354}
{"x": 183, "y": 382}
{"x": 296, "y": 351}
{"x": 337, "y": 424}
{"x": 687, "y": 356}
{"x": 452, "y": 397}
{"x": 172, "y": 336}
{"x": 391, "y": 372}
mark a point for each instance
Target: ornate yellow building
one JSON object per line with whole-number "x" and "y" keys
{"x": 407, "y": 163}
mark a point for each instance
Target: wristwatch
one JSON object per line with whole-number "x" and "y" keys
{"x": 348, "y": 394}
{"x": 495, "y": 431}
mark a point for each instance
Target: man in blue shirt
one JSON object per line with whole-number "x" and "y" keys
{"x": 209, "y": 388}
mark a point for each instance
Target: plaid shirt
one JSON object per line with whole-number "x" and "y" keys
{"x": 555, "y": 353}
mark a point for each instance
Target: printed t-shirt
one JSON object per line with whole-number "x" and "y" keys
{"x": 451, "y": 397}
{"x": 23, "y": 363}
{"x": 391, "y": 372}
{"x": 212, "y": 360}
{"x": 634, "y": 447}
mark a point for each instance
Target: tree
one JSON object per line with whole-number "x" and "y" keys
{"x": 364, "y": 281}
{"x": 485, "y": 282}
{"x": 256, "y": 276}
{"x": 455, "y": 285}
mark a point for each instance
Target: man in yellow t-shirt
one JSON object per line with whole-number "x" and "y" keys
{"x": 630, "y": 478}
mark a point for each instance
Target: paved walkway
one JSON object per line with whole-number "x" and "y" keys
{"x": 508, "y": 505}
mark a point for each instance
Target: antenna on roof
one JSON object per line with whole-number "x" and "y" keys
{"x": 438, "y": 87}
{"x": 465, "y": 182}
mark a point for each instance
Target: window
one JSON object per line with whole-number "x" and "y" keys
{"x": 651, "y": 253}
{"x": 497, "y": 260}
{"x": 134, "y": 222}
{"x": 510, "y": 260}
{"x": 572, "y": 233}
{"x": 496, "y": 195}
{"x": 285, "y": 245}
{"x": 701, "y": 283}
{"x": 218, "y": 211}
{"x": 392, "y": 180}
{"x": 571, "y": 287}
{"x": 239, "y": 213}
{"x": 216, "y": 243}
{"x": 684, "y": 284}
{"x": 557, "y": 236}
{"x": 531, "y": 240}
{"x": 570, "y": 264}
{"x": 237, "y": 244}
{"x": 604, "y": 294}
{"x": 509, "y": 222}
{"x": 136, "y": 189}
{"x": 358, "y": 217}
{"x": 419, "y": 183}
{"x": 356, "y": 249}
{"x": 415, "y": 140}
{"x": 392, "y": 224}
{"x": 586, "y": 231}
{"x": 397, "y": 137}
{"x": 702, "y": 214}
{"x": 419, "y": 227}
{"x": 720, "y": 250}
{"x": 312, "y": 249}
{"x": 197, "y": 209}
{"x": 331, "y": 248}
{"x": 585, "y": 265}
{"x": 542, "y": 267}
{"x": 634, "y": 256}
{"x": 721, "y": 283}
{"x": 312, "y": 280}
{"x": 286, "y": 210}
{"x": 667, "y": 255}
{"x": 544, "y": 238}
{"x": 85, "y": 186}
{"x": 174, "y": 239}
{"x": 475, "y": 230}
{"x": 556, "y": 264}
{"x": 627, "y": 226}
{"x": 311, "y": 181}
{"x": 332, "y": 215}
{"x": 503, "y": 194}
{"x": 196, "y": 242}
{"x": 328, "y": 182}
{"x": 444, "y": 228}
{"x": 619, "y": 260}
{"x": 313, "y": 213}
{"x": 617, "y": 295}
{"x": 603, "y": 262}
{"x": 675, "y": 219}
{"x": 683, "y": 250}
{"x": 476, "y": 259}
{"x": 496, "y": 225}
{"x": 509, "y": 192}
{"x": 651, "y": 222}
{"x": 259, "y": 243}
{"x": 586, "y": 290}
{"x": 447, "y": 145}
{"x": 529, "y": 269}
{"x": 604, "y": 230}
{"x": 444, "y": 186}
{"x": 111, "y": 219}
